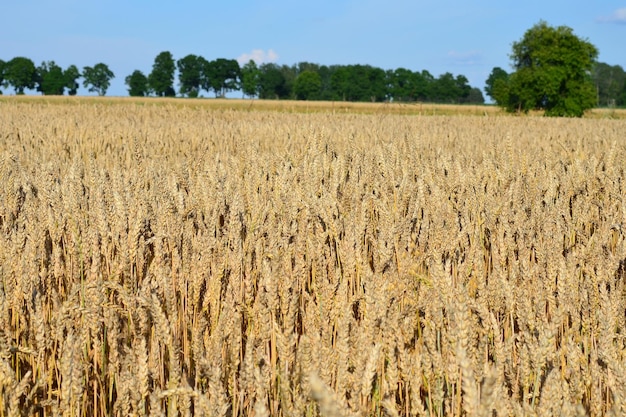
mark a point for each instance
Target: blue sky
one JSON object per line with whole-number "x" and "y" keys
{"x": 463, "y": 37}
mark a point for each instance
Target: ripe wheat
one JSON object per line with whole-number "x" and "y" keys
{"x": 178, "y": 260}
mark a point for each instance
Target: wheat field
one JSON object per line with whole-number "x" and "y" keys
{"x": 172, "y": 260}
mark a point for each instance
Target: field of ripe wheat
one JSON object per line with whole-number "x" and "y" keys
{"x": 160, "y": 259}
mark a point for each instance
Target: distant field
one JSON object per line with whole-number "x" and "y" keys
{"x": 304, "y": 106}
{"x": 190, "y": 257}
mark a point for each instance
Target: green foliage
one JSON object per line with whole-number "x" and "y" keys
{"x": 71, "y": 75}
{"x": 305, "y": 80}
{"x": 20, "y": 73}
{"x": 250, "y": 79}
{"x": 300, "y": 67}
{"x": 610, "y": 84}
{"x": 161, "y": 79}
{"x": 310, "y": 81}
{"x": 50, "y": 79}
{"x": 137, "y": 84}
{"x": 97, "y": 79}
{"x": 552, "y": 67}
{"x": 405, "y": 85}
{"x": 221, "y": 76}
{"x": 271, "y": 82}
{"x": 359, "y": 83}
{"x": 497, "y": 86}
{"x": 325, "y": 73}
{"x": 444, "y": 89}
{"x": 448, "y": 89}
{"x": 378, "y": 84}
{"x": 2, "y": 67}
{"x": 190, "y": 74}
{"x": 475, "y": 96}
{"x": 308, "y": 85}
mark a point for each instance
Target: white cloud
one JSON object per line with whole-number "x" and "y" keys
{"x": 618, "y": 16}
{"x": 259, "y": 56}
{"x": 465, "y": 58}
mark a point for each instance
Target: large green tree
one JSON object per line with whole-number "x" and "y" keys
{"x": 250, "y": 79}
{"x": 552, "y": 72}
{"x": 137, "y": 84}
{"x": 161, "y": 79}
{"x": 51, "y": 79}
{"x": 20, "y": 73}
{"x": 190, "y": 75}
{"x": 222, "y": 75}
{"x": 97, "y": 79}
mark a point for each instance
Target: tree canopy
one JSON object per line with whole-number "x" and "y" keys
{"x": 308, "y": 85}
{"x": 191, "y": 74}
{"x": 250, "y": 79}
{"x": 20, "y": 73}
{"x": 161, "y": 79}
{"x": 497, "y": 86}
{"x": 71, "y": 75}
{"x": 552, "y": 68}
{"x": 50, "y": 79}
{"x": 272, "y": 83}
{"x": 97, "y": 79}
{"x": 222, "y": 75}
{"x": 137, "y": 84}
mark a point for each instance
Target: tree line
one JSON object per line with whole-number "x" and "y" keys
{"x": 554, "y": 71}
{"x": 195, "y": 74}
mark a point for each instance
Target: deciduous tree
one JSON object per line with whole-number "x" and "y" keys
{"x": 271, "y": 82}
{"x": 190, "y": 70}
{"x": 71, "y": 75}
{"x": 250, "y": 79}
{"x": 161, "y": 79}
{"x": 20, "y": 73}
{"x": 137, "y": 84}
{"x": 359, "y": 83}
{"x": 97, "y": 79}
{"x": 401, "y": 87}
{"x": 222, "y": 75}
{"x": 51, "y": 79}
{"x": 497, "y": 86}
{"x": 552, "y": 72}
{"x": 446, "y": 89}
